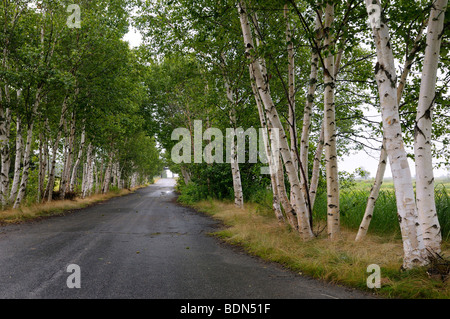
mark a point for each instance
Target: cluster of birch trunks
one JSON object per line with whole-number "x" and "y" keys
{"x": 45, "y": 128}
{"x": 416, "y": 212}
{"x": 84, "y": 169}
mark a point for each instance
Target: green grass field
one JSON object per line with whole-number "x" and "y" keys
{"x": 353, "y": 202}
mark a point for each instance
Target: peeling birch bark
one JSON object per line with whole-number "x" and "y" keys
{"x": 77, "y": 162}
{"x": 316, "y": 167}
{"x": 272, "y": 115}
{"x": 272, "y": 170}
{"x": 307, "y": 113}
{"x": 5, "y": 131}
{"x": 413, "y": 245}
{"x": 425, "y": 200}
{"x": 235, "y": 171}
{"x": 68, "y": 162}
{"x": 106, "y": 180}
{"x": 291, "y": 88}
{"x": 333, "y": 218}
{"x": 27, "y": 154}
{"x": 375, "y": 190}
{"x": 18, "y": 158}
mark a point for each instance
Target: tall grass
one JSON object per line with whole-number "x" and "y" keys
{"x": 353, "y": 201}
{"x": 443, "y": 209}
{"x": 353, "y": 204}
{"x": 343, "y": 261}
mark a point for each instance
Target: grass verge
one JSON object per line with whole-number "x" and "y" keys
{"x": 57, "y": 207}
{"x": 343, "y": 262}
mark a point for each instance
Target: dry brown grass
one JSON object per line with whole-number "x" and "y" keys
{"x": 57, "y": 207}
{"x": 343, "y": 261}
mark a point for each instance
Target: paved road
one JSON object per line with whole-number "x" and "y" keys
{"x": 142, "y": 245}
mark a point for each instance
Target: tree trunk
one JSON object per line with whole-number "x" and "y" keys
{"x": 235, "y": 171}
{"x": 96, "y": 178}
{"x": 307, "y": 113}
{"x": 272, "y": 115}
{"x": 77, "y": 162}
{"x": 18, "y": 159}
{"x": 413, "y": 245}
{"x": 5, "y": 130}
{"x": 291, "y": 88}
{"x": 375, "y": 190}
{"x": 186, "y": 175}
{"x": 106, "y": 181}
{"x": 87, "y": 173}
{"x": 426, "y": 205}
{"x": 27, "y": 155}
{"x": 69, "y": 158}
{"x": 270, "y": 157}
{"x": 51, "y": 178}
{"x": 333, "y": 218}
{"x": 42, "y": 162}
{"x": 316, "y": 167}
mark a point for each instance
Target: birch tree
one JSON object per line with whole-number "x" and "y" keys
{"x": 330, "y": 129}
{"x": 261, "y": 80}
{"x": 413, "y": 244}
{"x": 422, "y": 145}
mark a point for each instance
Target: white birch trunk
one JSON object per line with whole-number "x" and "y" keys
{"x": 235, "y": 171}
{"x": 119, "y": 175}
{"x": 5, "y": 129}
{"x": 92, "y": 175}
{"x": 87, "y": 171}
{"x": 375, "y": 190}
{"x": 316, "y": 167}
{"x": 106, "y": 180}
{"x": 73, "y": 177}
{"x": 272, "y": 115}
{"x": 96, "y": 179}
{"x": 27, "y": 155}
{"x": 307, "y": 113}
{"x": 413, "y": 245}
{"x": 114, "y": 174}
{"x": 42, "y": 163}
{"x": 18, "y": 159}
{"x": 84, "y": 177}
{"x": 291, "y": 88}
{"x": 270, "y": 156}
{"x": 69, "y": 158}
{"x": 26, "y": 166}
{"x": 5, "y": 123}
{"x": 236, "y": 175}
{"x": 426, "y": 205}
{"x": 289, "y": 210}
{"x": 333, "y": 218}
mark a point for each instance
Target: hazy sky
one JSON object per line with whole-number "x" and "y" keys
{"x": 348, "y": 163}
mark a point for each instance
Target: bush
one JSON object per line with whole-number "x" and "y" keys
{"x": 68, "y": 195}
{"x": 71, "y": 195}
{"x": 192, "y": 193}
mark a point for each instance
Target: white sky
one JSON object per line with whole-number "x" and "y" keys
{"x": 346, "y": 163}
{"x": 133, "y": 37}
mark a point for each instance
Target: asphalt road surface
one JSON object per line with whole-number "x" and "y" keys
{"x": 141, "y": 245}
